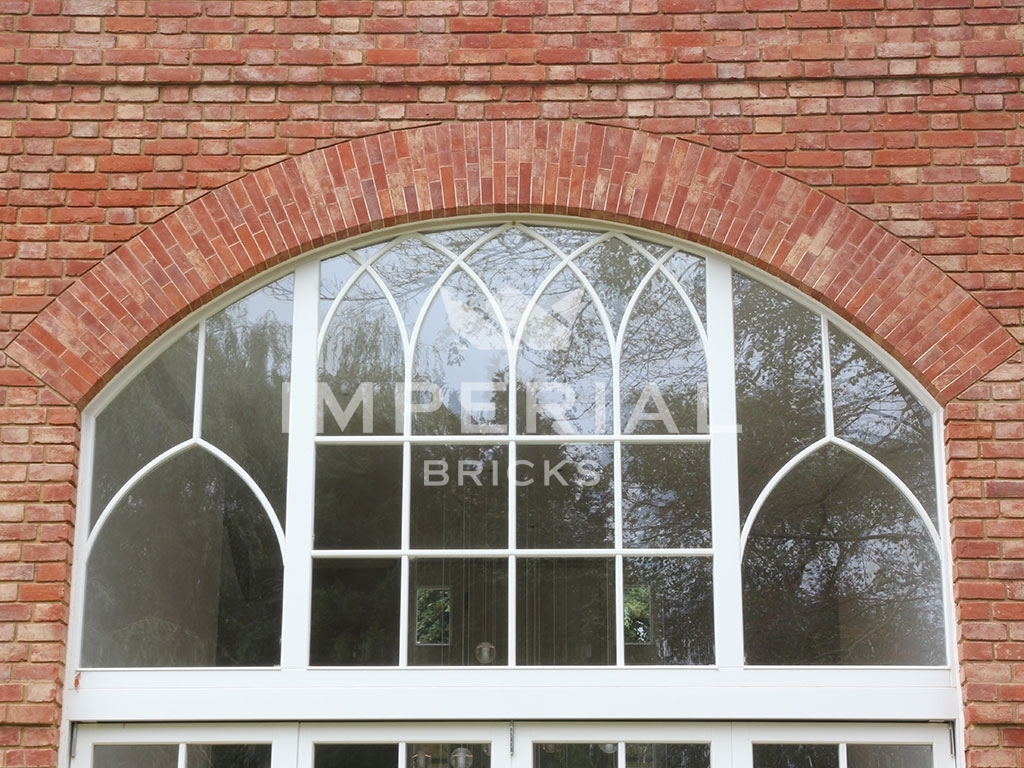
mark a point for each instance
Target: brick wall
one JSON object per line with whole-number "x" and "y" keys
{"x": 116, "y": 113}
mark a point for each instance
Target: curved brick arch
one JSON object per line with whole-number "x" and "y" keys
{"x": 920, "y": 315}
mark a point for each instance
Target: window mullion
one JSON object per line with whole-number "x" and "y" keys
{"x": 725, "y": 518}
{"x": 302, "y": 430}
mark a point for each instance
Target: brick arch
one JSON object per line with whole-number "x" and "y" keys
{"x": 920, "y": 315}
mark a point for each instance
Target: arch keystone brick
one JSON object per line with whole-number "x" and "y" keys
{"x": 851, "y": 265}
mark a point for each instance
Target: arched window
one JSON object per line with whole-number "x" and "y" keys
{"x": 505, "y": 471}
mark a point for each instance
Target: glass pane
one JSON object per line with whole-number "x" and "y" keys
{"x": 668, "y": 611}
{"x": 565, "y": 611}
{"x": 460, "y": 373}
{"x": 248, "y": 361}
{"x": 334, "y": 274}
{"x": 565, "y": 496}
{"x": 796, "y": 756}
{"x": 877, "y": 413}
{"x": 362, "y": 363}
{"x": 135, "y": 756}
{"x": 668, "y": 756}
{"x": 615, "y": 269}
{"x": 186, "y": 572}
{"x": 780, "y": 395}
{"x": 358, "y": 502}
{"x": 575, "y": 755}
{"x": 459, "y": 612}
{"x": 448, "y": 755}
{"x": 666, "y": 496}
{"x": 459, "y": 497}
{"x": 691, "y": 273}
{"x": 839, "y": 569}
{"x": 513, "y": 265}
{"x": 153, "y": 413}
{"x": 355, "y": 613}
{"x": 228, "y": 756}
{"x": 355, "y": 756}
{"x": 565, "y": 368}
{"x": 409, "y": 269}
{"x": 889, "y": 756}
{"x": 664, "y": 370}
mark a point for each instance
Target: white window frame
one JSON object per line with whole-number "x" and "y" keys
{"x": 511, "y": 743}
{"x": 725, "y": 691}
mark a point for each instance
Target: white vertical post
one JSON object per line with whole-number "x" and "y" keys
{"x": 725, "y": 521}
{"x": 301, "y": 470}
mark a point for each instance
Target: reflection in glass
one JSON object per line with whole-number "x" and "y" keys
{"x": 780, "y": 395}
{"x": 889, "y": 756}
{"x": 666, "y": 495}
{"x": 565, "y": 369}
{"x": 335, "y": 272}
{"x": 432, "y": 625}
{"x": 877, "y": 413}
{"x": 355, "y": 613}
{"x": 668, "y": 756}
{"x": 186, "y": 572}
{"x": 362, "y": 363}
{"x": 680, "y": 625}
{"x": 355, "y": 756}
{"x": 663, "y": 371}
{"x": 460, "y": 368}
{"x": 796, "y": 756}
{"x": 691, "y": 273}
{"x": 409, "y": 269}
{"x": 636, "y": 616}
{"x": 248, "y": 361}
{"x": 228, "y": 756}
{"x": 461, "y": 611}
{"x": 615, "y": 268}
{"x": 512, "y": 266}
{"x": 459, "y": 496}
{"x": 135, "y": 756}
{"x": 461, "y": 755}
{"x": 565, "y": 611}
{"x": 565, "y": 496}
{"x": 574, "y": 755}
{"x": 358, "y": 502}
{"x": 153, "y": 413}
{"x": 839, "y": 569}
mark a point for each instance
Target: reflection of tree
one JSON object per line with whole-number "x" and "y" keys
{"x": 839, "y": 569}
{"x": 186, "y": 572}
{"x": 779, "y": 383}
{"x": 796, "y": 756}
{"x": 355, "y": 613}
{"x": 248, "y": 359}
{"x": 681, "y": 610}
{"x": 151, "y": 414}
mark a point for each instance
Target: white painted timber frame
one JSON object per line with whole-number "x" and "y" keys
{"x": 486, "y": 699}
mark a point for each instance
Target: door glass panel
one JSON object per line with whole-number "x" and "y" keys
{"x": 447, "y": 755}
{"x": 889, "y": 756}
{"x": 135, "y": 756}
{"x": 355, "y": 756}
{"x": 575, "y": 755}
{"x": 228, "y": 756}
{"x": 668, "y": 756}
{"x": 796, "y": 756}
